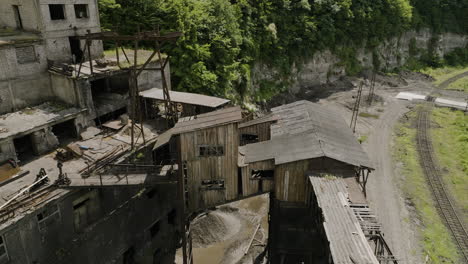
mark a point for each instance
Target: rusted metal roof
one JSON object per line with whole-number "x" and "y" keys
{"x": 307, "y": 130}
{"x": 260, "y": 120}
{"x": 192, "y": 123}
{"x": 186, "y": 98}
{"x": 347, "y": 241}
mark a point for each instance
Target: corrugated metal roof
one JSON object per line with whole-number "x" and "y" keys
{"x": 186, "y": 98}
{"x": 346, "y": 239}
{"x": 211, "y": 119}
{"x": 260, "y": 120}
{"x": 307, "y": 130}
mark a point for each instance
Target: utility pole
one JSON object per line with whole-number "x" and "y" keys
{"x": 370, "y": 97}
{"x": 357, "y": 103}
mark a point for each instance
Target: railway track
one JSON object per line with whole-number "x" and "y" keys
{"x": 434, "y": 178}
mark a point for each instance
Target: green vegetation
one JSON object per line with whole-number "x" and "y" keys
{"x": 450, "y": 141}
{"x": 459, "y": 85}
{"x": 368, "y": 115}
{"x": 225, "y": 42}
{"x": 436, "y": 240}
{"x": 444, "y": 73}
{"x": 362, "y": 139}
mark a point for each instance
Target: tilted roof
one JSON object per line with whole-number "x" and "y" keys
{"x": 347, "y": 241}
{"x": 207, "y": 120}
{"x": 264, "y": 119}
{"x": 186, "y": 98}
{"x": 306, "y": 130}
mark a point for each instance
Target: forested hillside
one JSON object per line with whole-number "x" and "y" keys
{"x": 224, "y": 38}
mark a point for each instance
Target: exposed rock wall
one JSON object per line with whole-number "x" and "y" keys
{"x": 325, "y": 66}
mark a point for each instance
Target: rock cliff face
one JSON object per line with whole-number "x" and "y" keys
{"x": 325, "y": 66}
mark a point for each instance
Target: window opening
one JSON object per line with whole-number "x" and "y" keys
{"x": 208, "y": 151}
{"x": 3, "y": 250}
{"x": 248, "y": 138}
{"x": 57, "y": 12}
{"x": 260, "y": 174}
{"x": 154, "y": 229}
{"x": 213, "y": 184}
{"x": 48, "y": 216}
{"x": 19, "y": 21}
{"x": 81, "y": 11}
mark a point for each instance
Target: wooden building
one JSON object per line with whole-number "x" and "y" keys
{"x": 207, "y": 149}
{"x": 306, "y": 138}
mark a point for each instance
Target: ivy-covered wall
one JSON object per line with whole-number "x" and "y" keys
{"x": 225, "y": 39}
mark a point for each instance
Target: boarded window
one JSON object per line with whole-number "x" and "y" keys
{"x": 3, "y": 250}
{"x": 248, "y": 138}
{"x": 26, "y": 54}
{"x": 81, "y": 11}
{"x": 208, "y": 150}
{"x": 213, "y": 184}
{"x": 48, "y": 216}
{"x": 85, "y": 210}
{"x": 261, "y": 174}
{"x": 154, "y": 229}
{"x": 57, "y": 12}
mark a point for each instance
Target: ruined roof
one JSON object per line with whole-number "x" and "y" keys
{"x": 186, "y": 98}
{"x": 207, "y": 120}
{"x": 346, "y": 239}
{"x": 34, "y": 118}
{"x": 264, "y": 119}
{"x": 307, "y": 130}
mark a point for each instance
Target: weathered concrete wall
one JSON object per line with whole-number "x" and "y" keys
{"x": 43, "y": 141}
{"x": 152, "y": 79}
{"x": 325, "y": 66}
{"x": 29, "y": 12}
{"x": 7, "y": 150}
{"x": 120, "y": 223}
{"x": 64, "y": 89}
{"x": 57, "y": 32}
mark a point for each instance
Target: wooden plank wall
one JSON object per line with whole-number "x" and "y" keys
{"x": 250, "y": 186}
{"x": 262, "y": 130}
{"x": 214, "y": 167}
{"x": 291, "y": 183}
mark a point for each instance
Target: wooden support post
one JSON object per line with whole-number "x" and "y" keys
{"x": 181, "y": 201}
{"x": 88, "y": 43}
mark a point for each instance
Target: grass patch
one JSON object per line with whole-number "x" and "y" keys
{"x": 436, "y": 240}
{"x": 368, "y": 115}
{"x": 362, "y": 139}
{"x": 442, "y": 74}
{"x": 459, "y": 85}
{"x": 450, "y": 142}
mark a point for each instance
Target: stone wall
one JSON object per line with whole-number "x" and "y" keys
{"x": 28, "y": 9}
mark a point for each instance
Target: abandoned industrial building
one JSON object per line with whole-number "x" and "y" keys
{"x": 101, "y": 162}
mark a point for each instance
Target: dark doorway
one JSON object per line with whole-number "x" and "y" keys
{"x": 75, "y": 47}
{"x": 65, "y": 132}
{"x": 129, "y": 256}
{"x": 19, "y": 21}
{"x": 24, "y": 148}
{"x": 240, "y": 191}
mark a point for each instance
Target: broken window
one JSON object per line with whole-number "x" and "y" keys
{"x": 81, "y": 11}
{"x": 57, "y": 12}
{"x": 48, "y": 216}
{"x": 26, "y": 54}
{"x": 207, "y": 151}
{"x": 261, "y": 174}
{"x": 213, "y": 184}
{"x": 248, "y": 138}
{"x": 3, "y": 250}
{"x": 154, "y": 229}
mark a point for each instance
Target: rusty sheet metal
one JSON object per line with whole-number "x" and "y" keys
{"x": 211, "y": 119}
{"x": 186, "y": 98}
{"x": 347, "y": 241}
{"x": 307, "y": 130}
